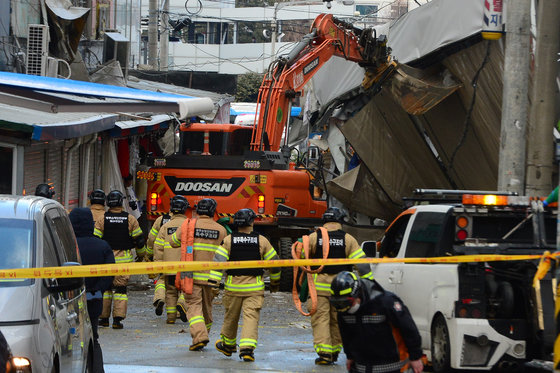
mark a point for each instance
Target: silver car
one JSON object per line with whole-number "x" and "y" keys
{"x": 45, "y": 321}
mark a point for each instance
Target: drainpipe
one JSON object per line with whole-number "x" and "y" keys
{"x": 85, "y": 179}
{"x": 70, "y": 153}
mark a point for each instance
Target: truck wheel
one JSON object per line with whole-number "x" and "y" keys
{"x": 441, "y": 352}
{"x": 287, "y": 275}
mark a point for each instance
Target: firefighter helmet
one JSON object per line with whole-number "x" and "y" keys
{"x": 345, "y": 288}
{"x": 97, "y": 197}
{"x": 206, "y": 206}
{"x": 244, "y": 217}
{"x": 178, "y": 205}
{"x": 44, "y": 190}
{"x": 115, "y": 198}
{"x": 334, "y": 214}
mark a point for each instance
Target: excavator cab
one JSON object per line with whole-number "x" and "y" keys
{"x": 214, "y": 139}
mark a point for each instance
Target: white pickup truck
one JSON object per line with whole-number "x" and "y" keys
{"x": 473, "y": 316}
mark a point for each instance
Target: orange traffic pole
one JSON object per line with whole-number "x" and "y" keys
{"x": 206, "y": 150}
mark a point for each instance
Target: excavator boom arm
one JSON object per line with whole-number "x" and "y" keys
{"x": 286, "y": 78}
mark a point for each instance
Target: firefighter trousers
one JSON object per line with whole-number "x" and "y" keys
{"x": 251, "y": 307}
{"x": 326, "y": 336}
{"x": 116, "y": 298}
{"x": 159, "y": 292}
{"x": 199, "y": 312}
{"x": 171, "y": 297}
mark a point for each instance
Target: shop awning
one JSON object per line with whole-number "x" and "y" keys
{"x": 45, "y": 94}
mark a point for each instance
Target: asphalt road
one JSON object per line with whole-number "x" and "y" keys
{"x": 148, "y": 344}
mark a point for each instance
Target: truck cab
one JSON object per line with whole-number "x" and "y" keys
{"x": 475, "y": 315}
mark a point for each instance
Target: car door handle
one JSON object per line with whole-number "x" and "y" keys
{"x": 71, "y": 316}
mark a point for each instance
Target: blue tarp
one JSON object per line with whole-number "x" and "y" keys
{"x": 76, "y": 87}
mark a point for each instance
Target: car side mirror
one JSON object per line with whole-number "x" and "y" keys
{"x": 370, "y": 248}
{"x": 65, "y": 283}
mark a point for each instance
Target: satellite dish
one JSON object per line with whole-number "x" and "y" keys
{"x": 266, "y": 34}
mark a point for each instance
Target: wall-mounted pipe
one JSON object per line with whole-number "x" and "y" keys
{"x": 85, "y": 180}
{"x": 69, "y": 155}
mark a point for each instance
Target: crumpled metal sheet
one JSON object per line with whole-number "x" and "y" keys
{"x": 358, "y": 190}
{"x": 65, "y": 10}
{"x": 398, "y": 159}
{"x": 418, "y": 91}
{"x": 66, "y": 24}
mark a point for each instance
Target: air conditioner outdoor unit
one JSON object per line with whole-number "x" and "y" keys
{"x": 37, "y": 49}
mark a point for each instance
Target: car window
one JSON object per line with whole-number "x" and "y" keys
{"x": 392, "y": 239}
{"x": 50, "y": 258}
{"x": 63, "y": 230}
{"x": 17, "y": 248}
{"x": 425, "y": 235}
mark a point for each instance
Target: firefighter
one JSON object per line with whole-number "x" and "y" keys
{"x": 45, "y": 190}
{"x": 163, "y": 251}
{"x": 208, "y": 235}
{"x": 244, "y": 288}
{"x": 122, "y": 231}
{"x": 378, "y": 332}
{"x": 159, "y": 293}
{"x": 97, "y": 204}
{"x": 326, "y": 336}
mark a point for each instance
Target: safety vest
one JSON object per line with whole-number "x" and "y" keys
{"x": 115, "y": 231}
{"x": 337, "y": 250}
{"x": 245, "y": 246}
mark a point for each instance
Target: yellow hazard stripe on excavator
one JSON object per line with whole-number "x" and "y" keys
{"x": 224, "y": 214}
{"x": 174, "y": 267}
{"x": 228, "y": 215}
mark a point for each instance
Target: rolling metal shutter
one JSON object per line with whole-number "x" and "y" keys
{"x": 34, "y": 170}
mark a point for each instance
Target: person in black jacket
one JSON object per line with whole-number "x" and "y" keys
{"x": 378, "y": 332}
{"x": 93, "y": 250}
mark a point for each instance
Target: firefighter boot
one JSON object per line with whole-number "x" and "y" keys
{"x": 335, "y": 357}
{"x": 198, "y": 346}
{"x": 324, "y": 359}
{"x": 104, "y": 322}
{"x": 182, "y": 313}
{"x": 247, "y": 354}
{"x": 159, "y": 307}
{"x": 117, "y": 323}
{"x": 225, "y": 349}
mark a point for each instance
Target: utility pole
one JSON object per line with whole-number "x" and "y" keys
{"x": 542, "y": 116}
{"x": 153, "y": 34}
{"x": 513, "y": 142}
{"x": 164, "y": 37}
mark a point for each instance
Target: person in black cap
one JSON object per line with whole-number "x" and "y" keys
{"x": 45, "y": 190}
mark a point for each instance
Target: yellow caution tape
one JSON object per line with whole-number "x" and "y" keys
{"x": 174, "y": 267}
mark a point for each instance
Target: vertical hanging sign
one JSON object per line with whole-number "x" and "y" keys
{"x": 493, "y": 27}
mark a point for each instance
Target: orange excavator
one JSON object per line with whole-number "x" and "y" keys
{"x": 249, "y": 166}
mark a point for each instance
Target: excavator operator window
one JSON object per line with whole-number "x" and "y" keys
{"x": 239, "y": 141}
{"x": 192, "y": 142}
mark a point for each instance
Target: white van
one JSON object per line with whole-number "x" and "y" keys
{"x": 45, "y": 321}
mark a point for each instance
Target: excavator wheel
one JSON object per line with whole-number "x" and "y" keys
{"x": 285, "y": 252}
